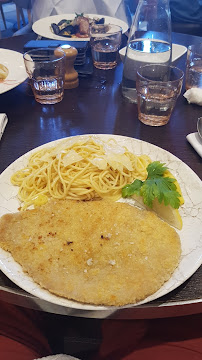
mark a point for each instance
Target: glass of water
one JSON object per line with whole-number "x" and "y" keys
{"x": 46, "y": 71}
{"x": 105, "y": 41}
{"x": 194, "y": 67}
{"x": 158, "y": 87}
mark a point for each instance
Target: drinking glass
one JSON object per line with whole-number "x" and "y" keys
{"x": 105, "y": 41}
{"x": 194, "y": 67}
{"x": 149, "y": 42}
{"x": 46, "y": 70}
{"x": 158, "y": 87}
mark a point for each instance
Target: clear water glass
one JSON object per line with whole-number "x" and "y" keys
{"x": 194, "y": 67}
{"x": 105, "y": 41}
{"x": 46, "y": 71}
{"x": 158, "y": 87}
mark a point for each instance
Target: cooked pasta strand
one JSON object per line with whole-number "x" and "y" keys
{"x": 79, "y": 170}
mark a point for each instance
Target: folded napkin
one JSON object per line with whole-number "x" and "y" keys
{"x": 195, "y": 140}
{"x": 3, "y": 122}
{"x": 194, "y": 95}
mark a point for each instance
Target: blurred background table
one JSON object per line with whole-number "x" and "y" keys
{"x": 97, "y": 106}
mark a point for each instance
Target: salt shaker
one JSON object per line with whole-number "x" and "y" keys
{"x": 71, "y": 75}
{"x": 149, "y": 42}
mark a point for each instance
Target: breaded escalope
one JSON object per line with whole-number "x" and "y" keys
{"x": 97, "y": 252}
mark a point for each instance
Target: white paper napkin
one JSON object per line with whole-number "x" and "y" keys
{"x": 3, "y": 122}
{"x": 195, "y": 140}
{"x": 194, "y": 95}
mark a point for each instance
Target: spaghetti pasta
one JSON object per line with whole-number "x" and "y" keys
{"x": 81, "y": 169}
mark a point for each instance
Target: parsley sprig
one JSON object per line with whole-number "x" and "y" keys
{"x": 155, "y": 186}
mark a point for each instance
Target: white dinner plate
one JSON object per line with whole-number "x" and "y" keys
{"x": 190, "y": 235}
{"x": 13, "y": 60}
{"x": 177, "y": 52}
{"x": 42, "y": 26}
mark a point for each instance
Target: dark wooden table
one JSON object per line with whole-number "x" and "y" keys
{"x": 96, "y": 106}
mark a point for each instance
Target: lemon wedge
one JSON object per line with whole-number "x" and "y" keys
{"x": 166, "y": 213}
{"x": 169, "y": 174}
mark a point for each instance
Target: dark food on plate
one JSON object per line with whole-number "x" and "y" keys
{"x": 96, "y": 252}
{"x": 78, "y": 27}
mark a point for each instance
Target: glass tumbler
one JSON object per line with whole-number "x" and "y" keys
{"x": 158, "y": 87}
{"x": 105, "y": 41}
{"x": 194, "y": 67}
{"x": 46, "y": 70}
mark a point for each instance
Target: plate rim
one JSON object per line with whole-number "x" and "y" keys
{"x": 57, "y": 300}
{"x": 20, "y": 55}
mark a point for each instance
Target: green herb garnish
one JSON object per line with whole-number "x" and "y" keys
{"x": 155, "y": 186}
{"x": 77, "y": 15}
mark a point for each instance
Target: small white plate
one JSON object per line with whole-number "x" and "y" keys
{"x": 42, "y": 26}
{"x": 177, "y": 52}
{"x": 13, "y": 60}
{"x": 191, "y": 213}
